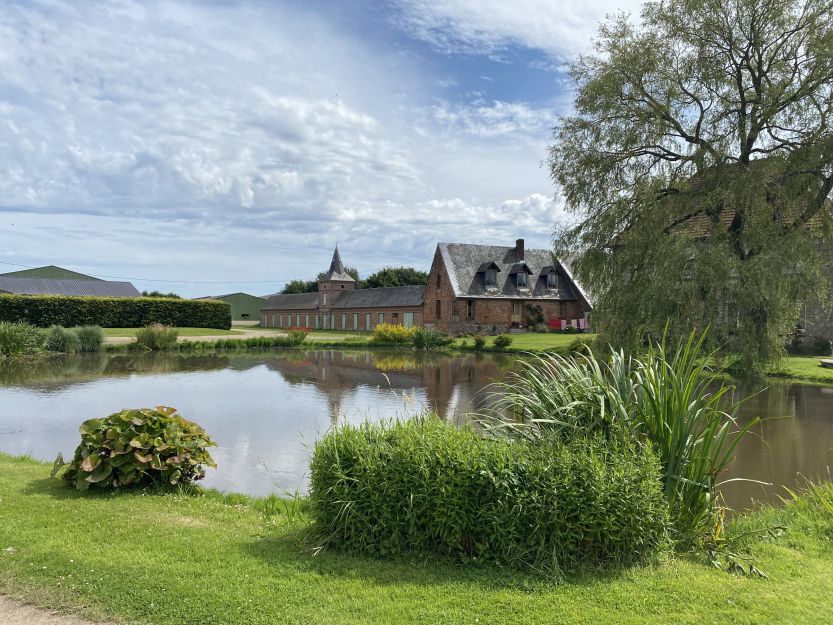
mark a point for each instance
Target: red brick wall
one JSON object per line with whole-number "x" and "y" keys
{"x": 266, "y": 317}
{"x": 442, "y": 291}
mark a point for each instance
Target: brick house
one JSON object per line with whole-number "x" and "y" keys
{"x": 471, "y": 289}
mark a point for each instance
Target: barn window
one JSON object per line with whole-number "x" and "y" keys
{"x": 355, "y": 321}
{"x": 306, "y": 321}
{"x": 324, "y": 296}
{"x": 367, "y": 317}
{"x": 470, "y": 309}
{"x": 409, "y": 320}
{"x": 298, "y": 320}
{"x": 381, "y": 318}
{"x": 343, "y": 321}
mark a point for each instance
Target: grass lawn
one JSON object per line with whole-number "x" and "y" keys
{"x": 803, "y": 367}
{"x": 178, "y": 559}
{"x": 533, "y": 341}
{"x": 121, "y": 332}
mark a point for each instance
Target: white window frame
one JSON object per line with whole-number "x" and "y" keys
{"x": 408, "y": 319}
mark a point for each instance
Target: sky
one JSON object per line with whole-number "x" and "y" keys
{"x": 221, "y": 146}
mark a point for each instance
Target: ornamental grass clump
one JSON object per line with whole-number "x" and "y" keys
{"x": 91, "y": 338}
{"x": 20, "y": 339}
{"x": 61, "y": 340}
{"x": 423, "y": 485}
{"x": 156, "y": 336}
{"x": 428, "y": 339}
{"x": 148, "y": 446}
{"x": 662, "y": 399}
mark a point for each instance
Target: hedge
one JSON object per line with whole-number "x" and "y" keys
{"x": 114, "y": 312}
{"x": 427, "y": 486}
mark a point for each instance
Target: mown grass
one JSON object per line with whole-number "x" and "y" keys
{"x": 531, "y": 341}
{"x": 131, "y": 332}
{"x": 166, "y": 558}
{"x": 803, "y": 368}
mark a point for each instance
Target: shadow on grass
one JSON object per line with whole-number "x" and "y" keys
{"x": 296, "y": 551}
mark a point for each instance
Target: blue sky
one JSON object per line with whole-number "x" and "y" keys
{"x": 211, "y": 147}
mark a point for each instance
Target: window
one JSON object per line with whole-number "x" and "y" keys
{"x": 470, "y": 309}
{"x": 439, "y": 309}
{"x": 516, "y": 309}
{"x": 490, "y": 277}
{"x": 306, "y": 321}
{"x": 561, "y": 310}
{"x": 439, "y": 279}
{"x": 324, "y": 300}
{"x": 409, "y": 320}
{"x": 343, "y": 321}
{"x": 298, "y": 320}
{"x": 280, "y": 321}
{"x": 367, "y": 318}
{"x": 332, "y": 322}
{"x": 381, "y": 318}
{"x": 355, "y": 321}
{"x": 552, "y": 280}
{"x": 316, "y": 322}
{"x": 244, "y": 315}
{"x": 395, "y": 317}
{"x": 521, "y": 278}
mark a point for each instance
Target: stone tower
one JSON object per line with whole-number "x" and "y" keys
{"x": 333, "y": 285}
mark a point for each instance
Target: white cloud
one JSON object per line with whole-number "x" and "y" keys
{"x": 222, "y": 142}
{"x": 562, "y": 28}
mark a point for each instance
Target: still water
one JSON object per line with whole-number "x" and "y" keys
{"x": 266, "y": 410}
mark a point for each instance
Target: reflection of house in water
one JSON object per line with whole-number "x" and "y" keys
{"x": 450, "y": 385}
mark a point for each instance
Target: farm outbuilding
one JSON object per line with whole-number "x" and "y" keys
{"x": 52, "y": 280}
{"x": 49, "y": 271}
{"x": 244, "y": 307}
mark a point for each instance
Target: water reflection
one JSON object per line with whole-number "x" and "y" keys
{"x": 266, "y": 409}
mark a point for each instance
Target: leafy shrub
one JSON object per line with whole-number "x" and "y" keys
{"x": 479, "y": 342}
{"x": 662, "y": 398}
{"x": 61, "y": 340}
{"x": 144, "y": 446}
{"x": 20, "y": 339}
{"x": 156, "y": 336}
{"x": 502, "y": 341}
{"x": 823, "y": 347}
{"x": 427, "y": 486}
{"x": 393, "y": 333}
{"x": 297, "y": 336}
{"x": 114, "y": 312}
{"x": 427, "y": 338}
{"x": 91, "y": 338}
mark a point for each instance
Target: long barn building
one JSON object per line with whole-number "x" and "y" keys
{"x": 471, "y": 289}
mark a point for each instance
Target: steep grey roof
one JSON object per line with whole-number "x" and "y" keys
{"x": 466, "y": 262}
{"x": 336, "y": 271}
{"x": 291, "y": 301}
{"x": 391, "y": 296}
{"x": 49, "y": 286}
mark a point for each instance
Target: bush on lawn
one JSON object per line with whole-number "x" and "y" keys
{"x": 61, "y": 340}
{"x": 393, "y": 333}
{"x": 297, "y": 336}
{"x": 427, "y": 338}
{"x": 502, "y": 341}
{"x": 428, "y": 486}
{"x": 114, "y": 312}
{"x": 156, "y": 336}
{"x": 20, "y": 339}
{"x": 148, "y": 446}
{"x": 479, "y": 342}
{"x": 91, "y": 338}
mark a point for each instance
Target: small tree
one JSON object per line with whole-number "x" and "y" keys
{"x": 394, "y": 276}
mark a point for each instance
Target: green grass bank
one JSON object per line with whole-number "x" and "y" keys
{"x": 174, "y": 559}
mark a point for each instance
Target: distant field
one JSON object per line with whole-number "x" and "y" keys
{"x": 128, "y": 332}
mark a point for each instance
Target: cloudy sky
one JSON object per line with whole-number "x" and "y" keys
{"x": 226, "y": 146}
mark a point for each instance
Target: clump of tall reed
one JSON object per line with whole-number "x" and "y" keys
{"x": 90, "y": 338}
{"x": 62, "y": 340}
{"x": 156, "y": 336}
{"x": 661, "y": 399}
{"x": 20, "y": 339}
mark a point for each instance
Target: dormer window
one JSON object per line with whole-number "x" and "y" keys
{"x": 521, "y": 278}
{"x": 490, "y": 277}
{"x": 552, "y": 280}
{"x": 489, "y": 270}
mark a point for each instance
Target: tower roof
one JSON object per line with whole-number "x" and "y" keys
{"x": 336, "y": 271}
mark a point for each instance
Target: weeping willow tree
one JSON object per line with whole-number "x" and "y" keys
{"x": 698, "y": 162}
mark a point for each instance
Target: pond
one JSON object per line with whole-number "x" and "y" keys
{"x": 266, "y": 409}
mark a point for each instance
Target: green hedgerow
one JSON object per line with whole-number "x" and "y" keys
{"x": 427, "y": 486}
{"x": 138, "y": 447}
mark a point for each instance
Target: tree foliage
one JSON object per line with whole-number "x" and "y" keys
{"x": 387, "y": 277}
{"x": 394, "y": 276}
{"x": 699, "y": 161}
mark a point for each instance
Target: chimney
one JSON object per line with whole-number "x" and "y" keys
{"x": 519, "y": 248}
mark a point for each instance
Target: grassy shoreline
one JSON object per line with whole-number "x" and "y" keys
{"x": 143, "y": 557}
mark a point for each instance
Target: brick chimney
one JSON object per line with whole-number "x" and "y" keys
{"x": 519, "y": 248}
